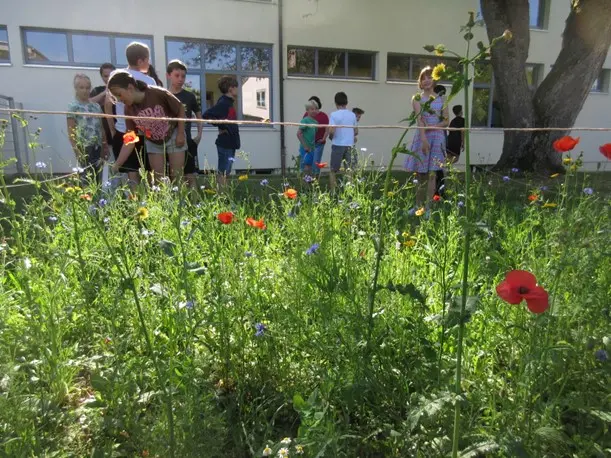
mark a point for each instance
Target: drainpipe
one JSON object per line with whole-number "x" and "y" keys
{"x": 281, "y": 94}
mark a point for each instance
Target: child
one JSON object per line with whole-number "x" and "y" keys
{"x": 228, "y": 140}
{"x": 162, "y": 137}
{"x": 440, "y": 90}
{"x": 428, "y": 145}
{"x": 98, "y": 95}
{"x": 456, "y": 138}
{"x": 138, "y": 60}
{"x": 85, "y": 132}
{"x": 177, "y": 72}
{"x": 342, "y": 138}
{"x": 307, "y": 137}
{"x": 358, "y": 113}
{"x": 321, "y": 133}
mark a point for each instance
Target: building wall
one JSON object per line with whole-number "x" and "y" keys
{"x": 382, "y": 27}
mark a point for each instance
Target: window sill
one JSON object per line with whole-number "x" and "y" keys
{"x": 599, "y": 92}
{"x": 402, "y": 83}
{"x": 538, "y": 29}
{"x": 6, "y": 64}
{"x": 328, "y": 79}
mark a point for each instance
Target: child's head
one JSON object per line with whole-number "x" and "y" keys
{"x": 358, "y": 113}
{"x": 440, "y": 90}
{"x": 123, "y": 86}
{"x": 153, "y": 74}
{"x": 177, "y": 73}
{"x": 138, "y": 56}
{"x": 457, "y": 110}
{"x": 311, "y": 108}
{"x": 425, "y": 79}
{"x": 105, "y": 71}
{"x": 317, "y": 100}
{"x": 228, "y": 85}
{"x": 341, "y": 99}
{"x": 82, "y": 86}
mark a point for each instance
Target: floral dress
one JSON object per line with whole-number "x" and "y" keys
{"x": 433, "y": 161}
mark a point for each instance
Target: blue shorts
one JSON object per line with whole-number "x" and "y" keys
{"x": 306, "y": 158}
{"x": 318, "y": 150}
{"x": 226, "y": 157}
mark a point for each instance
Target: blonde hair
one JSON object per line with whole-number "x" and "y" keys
{"x": 311, "y": 104}
{"x": 80, "y": 76}
{"x": 426, "y": 71}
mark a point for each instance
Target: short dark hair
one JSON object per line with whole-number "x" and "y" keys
{"x": 358, "y": 111}
{"x": 440, "y": 90}
{"x": 136, "y": 51}
{"x": 107, "y": 66}
{"x": 341, "y": 99}
{"x": 176, "y": 65}
{"x": 317, "y": 100}
{"x": 456, "y": 109}
{"x": 227, "y": 82}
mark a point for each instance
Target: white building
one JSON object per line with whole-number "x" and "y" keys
{"x": 282, "y": 51}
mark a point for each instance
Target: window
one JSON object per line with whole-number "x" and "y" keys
{"x": 538, "y": 14}
{"x": 602, "y": 82}
{"x": 486, "y": 111}
{"x": 83, "y": 49}
{"x": 331, "y": 63}
{"x": 251, "y": 64}
{"x": 406, "y": 67}
{"x": 5, "y": 53}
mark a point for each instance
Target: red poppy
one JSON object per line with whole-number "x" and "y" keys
{"x": 566, "y": 143}
{"x": 147, "y": 133}
{"x": 320, "y": 165}
{"x": 290, "y": 193}
{"x": 129, "y": 138}
{"x": 86, "y": 197}
{"x": 225, "y": 217}
{"x": 436, "y": 197}
{"x": 533, "y": 197}
{"x": 605, "y": 150}
{"x": 254, "y": 223}
{"x": 521, "y": 285}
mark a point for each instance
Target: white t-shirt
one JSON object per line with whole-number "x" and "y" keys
{"x": 138, "y": 76}
{"x": 343, "y": 136}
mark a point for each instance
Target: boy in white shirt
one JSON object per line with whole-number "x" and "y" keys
{"x": 342, "y": 138}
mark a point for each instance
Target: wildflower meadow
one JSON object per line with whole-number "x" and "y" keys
{"x": 275, "y": 318}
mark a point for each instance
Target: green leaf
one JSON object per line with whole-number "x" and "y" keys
{"x": 299, "y": 403}
{"x": 199, "y": 270}
{"x": 99, "y": 383}
{"x": 604, "y": 416}
{"x": 407, "y": 290}
{"x": 480, "y": 449}
{"x": 167, "y": 247}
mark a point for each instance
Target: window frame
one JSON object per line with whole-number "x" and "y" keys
{"x": 345, "y": 76}
{"x": 201, "y": 71}
{"x": 414, "y": 78}
{"x": 8, "y": 45}
{"x": 602, "y": 80}
{"x": 543, "y": 16}
{"x": 261, "y": 98}
{"x": 70, "y": 48}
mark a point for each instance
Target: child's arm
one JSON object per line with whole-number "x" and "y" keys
{"x": 108, "y": 111}
{"x": 180, "y": 135}
{"x": 200, "y": 128}
{"x": 126, "y": 150}
{"x": 72, "y": 135}
{"x": 302, "y": 140}
{"x": 420, "y": 122}
{"x": 98, "y": 98}
{"x": 445, "y": 122}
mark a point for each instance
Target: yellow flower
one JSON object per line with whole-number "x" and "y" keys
{"x": 142, "y": 213}
{"x": 70, "y": 189}
{"x": 406, "y": 235}
{"x": 567, "y": 160}
{"x": 409, "y": 243}
{"x": 555, "y": 175}
{"x": 267, "y": 451}
{"x": 391, "y": 194}
{"x": 550, "y": 205}
{"x": 299, "y": 449}
{"x": 243, "y": 177}
{"x": 573, "y": 168}
{"x": 438, "y": 71}
{"x": 420, "y": 211}
{"x": 209, "y": 191}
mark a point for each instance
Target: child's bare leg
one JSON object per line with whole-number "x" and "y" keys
{"x": 157, "y": 163}
{"x": 177, "y": 165}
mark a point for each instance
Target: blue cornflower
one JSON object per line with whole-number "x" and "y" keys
{"x": 601, "y": 355}
{"x": 184, "y": 223}
{"x": 189, "y": 304}
{"x": 411, "y": 212}
{"x": 291, "y": 214}
{"x": 313, "y": 249}
{"x": 506, "y": 178}
{"x": 460, "y": 204}
{"x": 354, "y": 205}
{"x": 515, "y": 170}
{"x": 588, "y": 191}
{"x": 107, "y": 184}
{"x": 543, "y": 188}
{"x": 307, "y": 179}
{"x": 102, "y": 203}
{"x": 264, "y": 182}
{"x": 260, "y": 327}
{"x": 248, "y": 254}
{"x": 41, "y": 165}
{"x": 286, "y": 184}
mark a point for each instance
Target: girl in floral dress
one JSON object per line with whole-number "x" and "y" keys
{"x": 428, "y": 145}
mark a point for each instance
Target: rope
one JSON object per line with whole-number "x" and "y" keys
{"x": 298, "y": 124}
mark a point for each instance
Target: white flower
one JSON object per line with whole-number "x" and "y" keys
{"x": 283, "y": 452}
{"x": 299, "y": 449}
{"x": 267, "y": 451}
{"x": 27, "y": 263}
{"x": 78, "y": 169}
{"x": 175, "y": 189}
{"x": 364, "y": 150}
{"x": 155, "y": 188}
{"x": 41, "y": 165}
{"x": 286, "y": 441}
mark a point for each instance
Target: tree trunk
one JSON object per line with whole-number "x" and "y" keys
{"x": 560, "y": 97}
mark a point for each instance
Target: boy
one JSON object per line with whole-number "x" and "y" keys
{"x": 440, "y": 177}
{"x": 138, "y": 61}
{"x": 358, "y": 113}
{"x": 456, "y": 138}
{"x": 98, "y": 95}
{"x": 307, "y": 137}
{"x": 228, "y": 140}
{"x": 342, "y": 138}
{"x": 177, "y": 73}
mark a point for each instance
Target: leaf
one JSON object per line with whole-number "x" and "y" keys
{"x": 158, "y": 289}
{"x": 407, "y": 290}
{"x": 99, "y": 382}
{"x": 453, "y": 317}
{"x": 551, "y": 435}
{"x": 199, "y": 270}
{"x": 476, "y": 450}
{"x": 604, "y": 416}
{"x": 167, "y": 247}
{"x": 299, "y": 403}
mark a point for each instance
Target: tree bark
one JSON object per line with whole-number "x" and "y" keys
{"x": 562, "y": 94}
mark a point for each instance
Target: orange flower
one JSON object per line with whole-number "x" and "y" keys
{"x": 86, "y": 197}
{"x": 605, "y": 150}
{"x": 436, "y": 197}
{"x": 320, "y": 165}
{"x": 564, "y": 144}
{"x": 147, "y": 133}
{"x": 290, "y": 193}
{"x": 225, "y": 217}
{"x": 254, "y": 223}
{"x": 533, "y": 197}
{"x": 129, "y": 138}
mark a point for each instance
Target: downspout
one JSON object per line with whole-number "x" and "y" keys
{"x": 281, "y": 92}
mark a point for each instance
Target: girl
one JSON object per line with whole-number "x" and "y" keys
{"x": 429, "y": 145}
{"x": 85, "y": 132}
{"x": 321, "y": 133}
{"x": 161, "y": 137}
